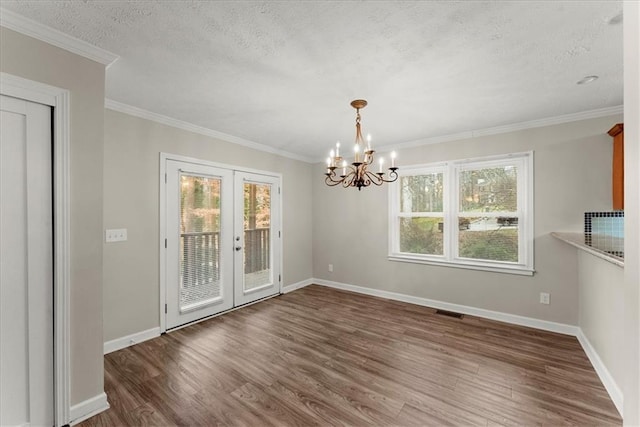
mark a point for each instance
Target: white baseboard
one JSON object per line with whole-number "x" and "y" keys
{"x": 464, "y": 309}
{"x": 605, "y": 376}
{"x": 88, "y": 408}
{"x": 294, "y": 286}
{"x": 129, "y": 340}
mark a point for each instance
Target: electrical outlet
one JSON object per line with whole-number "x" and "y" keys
{"x": 544, "y": 298}
{"x": 330, "y": 268}
{"x": 115, "y": 235}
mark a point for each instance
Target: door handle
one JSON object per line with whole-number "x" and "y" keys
{"x": 238, "y": 248}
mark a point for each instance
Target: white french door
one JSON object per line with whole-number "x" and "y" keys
{"x": 26, "y": 264}
{"x": 257, "y": 257}
{"x": 222, "y": 230}
{"x": 199, "y": 247}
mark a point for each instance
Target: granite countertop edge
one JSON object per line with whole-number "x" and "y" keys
{"x": 577, "y": 240}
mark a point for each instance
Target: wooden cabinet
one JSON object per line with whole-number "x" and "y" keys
{"x": 617, "y": 132}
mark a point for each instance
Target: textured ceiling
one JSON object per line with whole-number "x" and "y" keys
{"x": 283, "y": 73}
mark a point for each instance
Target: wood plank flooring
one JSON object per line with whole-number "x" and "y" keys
{"x": 319, "y": 356}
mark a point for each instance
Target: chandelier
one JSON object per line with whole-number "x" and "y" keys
{"x": 357, "y": 173}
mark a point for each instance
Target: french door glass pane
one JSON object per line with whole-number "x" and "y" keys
{"x": 257, "y": 235}
{"x": 494, "y": 239}
{"x": 422, "y": 235}
{"x": 199, "y": 241}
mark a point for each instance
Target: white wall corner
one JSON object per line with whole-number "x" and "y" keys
{"x": 298, "y": 285}
{"x": 603, "y": 373}
{"x": 88, "y": 408}
{"x": 129, "y": 340}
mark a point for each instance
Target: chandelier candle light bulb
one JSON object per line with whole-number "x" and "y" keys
{"x": 357, "y": 174}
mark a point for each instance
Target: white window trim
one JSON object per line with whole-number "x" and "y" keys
{"x": 525, "y": 265}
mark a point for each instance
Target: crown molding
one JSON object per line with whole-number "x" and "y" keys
{"x": 31, "y": 28}
{"x": 159, "y": 118}
{"x": 531, "y": 124}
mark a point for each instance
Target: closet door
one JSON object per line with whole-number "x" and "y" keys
{"x": 26, "y": 264}
{"x": 199, "y": 259}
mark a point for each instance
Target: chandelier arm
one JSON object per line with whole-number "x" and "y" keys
{"x": 393, "y": 175}
{"x": 331, "y": 178}
{"x": 368, "y": 157}
{"x": 349, "y": 179}
{"x": 375, "y": 178}
{"x": 330, "y": 182}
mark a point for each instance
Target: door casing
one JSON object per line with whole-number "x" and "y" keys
{"x": 57, "y": 98}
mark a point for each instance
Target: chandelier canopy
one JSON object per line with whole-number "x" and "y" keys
{"x": 357, "y": 173}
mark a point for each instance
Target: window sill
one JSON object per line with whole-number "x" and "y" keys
{"x": 464, "y": 265}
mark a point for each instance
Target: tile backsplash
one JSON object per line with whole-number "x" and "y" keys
{"x": 605, "y": 231}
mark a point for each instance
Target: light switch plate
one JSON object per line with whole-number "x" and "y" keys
{"x": 544, "y": 298}
{"x": 115, "y": 235}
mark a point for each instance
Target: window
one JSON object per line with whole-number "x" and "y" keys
{"x": 474, "y": 213}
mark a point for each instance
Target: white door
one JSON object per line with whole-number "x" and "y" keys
{"x": 199, "y": 242}
{"x": 222, "y": 240}
{"x": 257, "y": 219}
{"x": 26, "y": 264}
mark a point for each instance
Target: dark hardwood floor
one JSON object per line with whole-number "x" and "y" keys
{"x": 319, "y": 356}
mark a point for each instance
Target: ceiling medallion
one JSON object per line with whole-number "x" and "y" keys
{"x": 357, "y": 174}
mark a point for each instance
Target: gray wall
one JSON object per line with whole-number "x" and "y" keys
{"x": 131, "y": 200}
{"x": 602, "y": 311}
{"x": 572, "y": 175}
{"x": 32, "y": 59}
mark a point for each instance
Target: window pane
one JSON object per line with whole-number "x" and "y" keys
{"x": 494, "y": 239}
{"x": 199, "y": 241}
{"x": 489, "y": 190}
{"x": 421, "y": 193}
{"x": 421, "y": 235}
{"x": 257, "y": 235}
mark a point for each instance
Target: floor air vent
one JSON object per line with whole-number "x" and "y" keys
{"x": 450, "y": 314}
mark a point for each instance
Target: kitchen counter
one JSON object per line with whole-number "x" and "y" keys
{"x": 577, "y": 240}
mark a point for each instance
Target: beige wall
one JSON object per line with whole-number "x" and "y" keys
{"x": 32, "y": 59}
{"x": 601, "y": 309}
{"x": 572, "y": 175}
{"x": 632, "y": 213}
{"x": 131, "y": 200}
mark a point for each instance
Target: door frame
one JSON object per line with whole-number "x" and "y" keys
{"x": 57, "y": 98}
{"x": 162, "y": 254}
